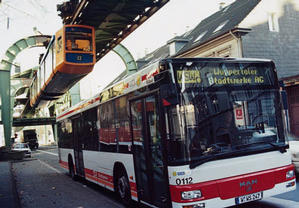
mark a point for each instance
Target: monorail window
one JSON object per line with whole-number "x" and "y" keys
{"x": 49, "y": 63}
{"x": 59, "y": 44}
{"x": 78, "y": 41}
{"x": 38, "y": 80}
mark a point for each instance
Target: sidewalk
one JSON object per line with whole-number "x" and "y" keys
{"x": 8, "y": 193}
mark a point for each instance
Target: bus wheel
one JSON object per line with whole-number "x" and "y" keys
{"x": 71, "y": 170}
{"x": 123, "y": 188}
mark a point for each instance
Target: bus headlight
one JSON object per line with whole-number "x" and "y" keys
{"x": 195, "y": 194}
{"x": 290, "y": 174}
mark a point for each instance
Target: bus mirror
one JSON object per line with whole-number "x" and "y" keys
{"x": 163, "y": 77}
{"x": 168, "y": 94}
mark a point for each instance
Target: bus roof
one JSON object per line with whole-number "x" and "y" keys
{"x": 218, "y": 59}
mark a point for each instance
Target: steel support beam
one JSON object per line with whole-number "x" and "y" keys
{"x": 34, "y": 121}
{"x": 5, "y": 105}
{"x": 127, "y": 58}
{"x": 5, "y": 67}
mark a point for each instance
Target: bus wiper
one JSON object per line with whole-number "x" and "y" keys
{"x": 213, "y": 153}
{"x": 216, "y": 154}
{"x": 282, "y": 149}
{"x": 217, "y": 148}
{"x": 203, "y": 160}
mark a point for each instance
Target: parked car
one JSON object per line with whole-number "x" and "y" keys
{"x": 22, "y": 147}
{"x": 294, "y": 149}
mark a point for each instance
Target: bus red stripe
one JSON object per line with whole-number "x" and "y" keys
{"x": 133, "y": 186}
{"x": 107, "y": 180}
{"x": 99, "y": 175}
{"x": 99, "y": 180}
{"x": 234, "y": 186}
{"x": 64, "y": 164}
{"x": 79, "y": 107}
{"x": 133, "y": 193}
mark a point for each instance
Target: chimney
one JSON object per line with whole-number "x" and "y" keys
{"x": 221, "y": 5}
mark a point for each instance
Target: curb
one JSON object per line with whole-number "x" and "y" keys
{"x": 14, "y": 188}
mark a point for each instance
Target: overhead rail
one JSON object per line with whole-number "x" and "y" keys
{"x": 113, "y": 20}
{"x": 33, "y": 121}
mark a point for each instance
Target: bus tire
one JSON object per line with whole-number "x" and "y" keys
{"x": 123, "y": 188}
{"x": 72, "y": 173}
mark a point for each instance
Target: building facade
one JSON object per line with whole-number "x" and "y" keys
{"x": 265, "y": 29}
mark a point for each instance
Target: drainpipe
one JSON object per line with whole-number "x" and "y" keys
{"x": 239, "y": 43}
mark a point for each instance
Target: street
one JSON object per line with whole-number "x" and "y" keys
{"x": 41, "y": 182}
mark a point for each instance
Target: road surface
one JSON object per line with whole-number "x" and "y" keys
{"x": 41, "y": 182}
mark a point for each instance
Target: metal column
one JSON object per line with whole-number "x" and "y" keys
{"x": 5, "y": 104}
{"x": 5, "y": 86}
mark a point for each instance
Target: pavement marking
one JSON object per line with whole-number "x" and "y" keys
{"x": 50, "y": 153}
{"x": 49, "y": 166}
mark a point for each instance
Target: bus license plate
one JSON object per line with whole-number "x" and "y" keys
{"x": 249, "y": 198}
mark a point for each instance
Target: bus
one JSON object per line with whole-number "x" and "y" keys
{"x": 183, "y": 133}
{"x": 70, "y": 56}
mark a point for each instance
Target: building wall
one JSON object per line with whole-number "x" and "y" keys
{"x": 293, "y": 101}
{"x": 44, "y": 135}
{"x": 282, "y": 43}
{"x": 274, "y": 35}
{"x": 225, "y": 47}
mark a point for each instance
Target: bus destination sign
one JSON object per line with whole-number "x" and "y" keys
{"x": 226, "y": 76}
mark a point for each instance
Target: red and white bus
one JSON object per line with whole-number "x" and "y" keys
{"x": 183, "y": 132}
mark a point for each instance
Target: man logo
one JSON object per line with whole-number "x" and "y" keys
{"x": 248, "y": 184}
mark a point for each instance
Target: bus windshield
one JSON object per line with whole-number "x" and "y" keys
{"x": 224, "y": 110}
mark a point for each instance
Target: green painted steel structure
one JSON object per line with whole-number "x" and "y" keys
{"x": 113, "y": 21}
{"x": 126, "y": 57}
{"x": 5, "y": 104}
{"x": 5, "y": 86}
{"x": 8, "y": 92}
{"x": 34, "y": 121}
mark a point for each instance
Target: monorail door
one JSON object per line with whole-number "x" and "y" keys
{"x": 151, "y": 176}
{"x": 78, "y": 145}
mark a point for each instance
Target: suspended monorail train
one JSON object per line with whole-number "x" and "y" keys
{"x": 69, "y": 57}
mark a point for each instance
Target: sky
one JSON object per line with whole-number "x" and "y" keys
{"x": 175, "y": 18}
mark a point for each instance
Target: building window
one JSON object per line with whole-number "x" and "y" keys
{"x": 273, "y": 22}
{"x": 200, "y": 36}
{"x": 220, "y": 26}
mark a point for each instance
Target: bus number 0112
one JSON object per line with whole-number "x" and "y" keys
{"x": 183, "y": 181}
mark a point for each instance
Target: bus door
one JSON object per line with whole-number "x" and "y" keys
{"x": 150, "y": 168}
{"x": 78, "y": 145}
